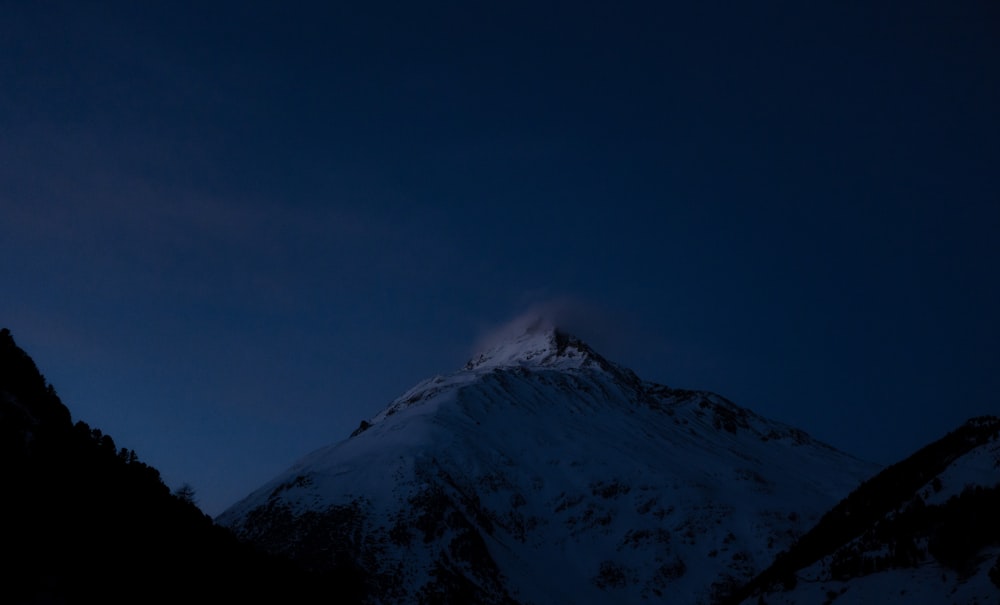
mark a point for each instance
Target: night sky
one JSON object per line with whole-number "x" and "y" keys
{"x": 229, "y": 233}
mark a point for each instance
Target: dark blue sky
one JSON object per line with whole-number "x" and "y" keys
{"x": 230, "y": 233}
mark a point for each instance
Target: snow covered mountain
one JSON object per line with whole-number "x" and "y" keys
{"x": 543, "y": 473}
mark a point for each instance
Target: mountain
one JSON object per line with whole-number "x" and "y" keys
{"x": 924, "y": 530}
{"x": 85, "y": 521}
{"x": 543, "y": 473}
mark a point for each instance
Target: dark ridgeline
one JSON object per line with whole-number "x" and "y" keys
{"x": 887, "y": 515}
{"x": 84, "y": 521}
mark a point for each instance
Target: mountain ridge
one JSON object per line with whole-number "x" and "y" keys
{"x": 928, "y": 518}
{"x": 87, "y": 521}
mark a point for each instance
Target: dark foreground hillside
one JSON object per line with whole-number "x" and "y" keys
{"x": 84, "y": 521}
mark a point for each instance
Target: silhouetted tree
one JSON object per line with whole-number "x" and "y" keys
{"x": 185, "y": 493}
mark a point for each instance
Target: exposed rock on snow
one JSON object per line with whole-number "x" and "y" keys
{"x": 544, "y": 473}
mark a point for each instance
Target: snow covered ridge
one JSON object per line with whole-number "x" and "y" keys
{"x": 924, "y": 530}
{"x": 543, "y": 473}
{"x": 538, "y": 348}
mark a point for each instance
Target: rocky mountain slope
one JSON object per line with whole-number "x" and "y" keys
{"x": 543, "y": 473}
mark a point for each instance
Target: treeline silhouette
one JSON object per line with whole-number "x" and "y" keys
{"x": 85, "y": 521}
{"x": 954, "y": 531}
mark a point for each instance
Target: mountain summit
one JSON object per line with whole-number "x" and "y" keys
{"x": 539, "y": 345}
{"x": 543, "y": 473}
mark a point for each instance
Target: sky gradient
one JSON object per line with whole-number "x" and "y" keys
{"x": 231, "y": 233}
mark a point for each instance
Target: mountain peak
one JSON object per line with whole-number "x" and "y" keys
{"x": 539, "y": 344}
{"x": 541, "y": 450}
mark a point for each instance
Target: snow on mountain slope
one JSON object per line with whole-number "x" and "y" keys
{"x": 543, "y": 473}
{"x": 925, "y": 530}
{"x": 979, "y": 466}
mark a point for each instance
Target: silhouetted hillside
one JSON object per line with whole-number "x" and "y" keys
{"x": 87, "y": 521}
